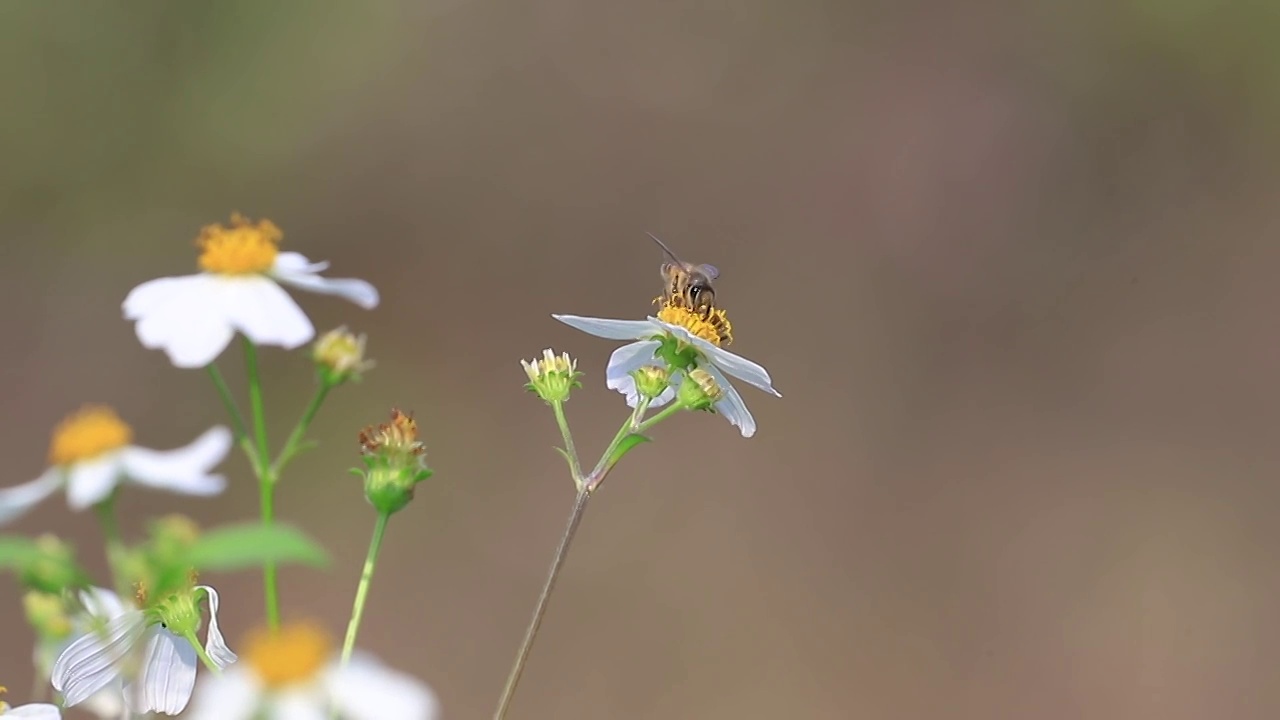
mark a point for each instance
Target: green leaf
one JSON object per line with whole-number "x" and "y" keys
{"x": 239, "y": 547}
{"x": 16, "y": 552}
{"x": 624, "y": 447}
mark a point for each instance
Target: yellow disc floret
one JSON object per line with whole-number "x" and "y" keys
{"x": 710, "y": 324}
{"x": 293, "y": 654}
{"x": 88, "y": 433}
{"x": 242, "y": 249}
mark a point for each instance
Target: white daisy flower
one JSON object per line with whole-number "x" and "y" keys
{"x": 293, "y": 675}
{"x": 686, "y": 331}
{"x": 100, "y": 607}
{"x": 193, "y": 317}
{"x": 90, "y": 456}
{"x": 165, "y": 669}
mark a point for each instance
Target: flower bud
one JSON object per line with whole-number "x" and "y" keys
{"x": 395, "y": 461}
{"x": 47, "y": 614}
{"x": 339, "y": 356}
{"x": 54, "y": 568}
{"x": 652, "y": 381}
{"x": 699, "y": 390}
{"x": 552, "y": 377}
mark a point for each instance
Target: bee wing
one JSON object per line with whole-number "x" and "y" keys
{"x": 711, "y": 271}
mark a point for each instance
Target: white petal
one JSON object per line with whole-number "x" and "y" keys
{"x": 262, "y": 310}
{"x": 183, "y": 316}
{"x": 610, "y": 329}
{"x": 101, "y": 603}
{"x": 35, "y": 711}
{"x": 91, "y": 481}
{"x": 93, "y": 660}
{"x": 17, "y": 500}
{"x": 193, "y": 460}
{"x": 292, "y": 262}
{"x": 631, "y": 357}
{"x": 214, "y": 644}
{"x": 297, "y": 274}
{"x": 365, "y": 689}
{"x": 234, "y": 695}
{"x": 167, "y": 675}
{"x": 290, "y": 705}
{"x": 731, "y": 405}
{"x": 107, "y": 702}
{"x": 735, "y": 365}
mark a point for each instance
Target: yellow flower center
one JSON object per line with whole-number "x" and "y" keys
{"x": 242, "y": 249}
{"x": 88, "y": 433}
{"x": 292, "y": 654}
{"x": 710, "y": 324}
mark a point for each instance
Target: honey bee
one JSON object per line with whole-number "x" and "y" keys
{"x": 687, "y": 284}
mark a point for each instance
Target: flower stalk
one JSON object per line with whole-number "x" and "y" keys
{"x": 362, "y": 590}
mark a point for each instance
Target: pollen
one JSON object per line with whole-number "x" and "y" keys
{"x": 88, "y": 433}
{"x": 244, "y": 248}
{"x": 710, "y": 324}
{"x": 293, "y": 654}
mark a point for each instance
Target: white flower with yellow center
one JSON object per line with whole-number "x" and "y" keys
{"x": 90, "y": 455}
{"x": 33, "y": 711}
{"x": 681, "y": 339}
{"x": 193, "y": 317}
{"x": 150, "y": 651}
{"x": 293, "y": 674}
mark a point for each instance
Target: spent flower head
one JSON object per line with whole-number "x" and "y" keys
{"x": 90, "y": 454}
{"x": 552, "y": 377}
{"x": 339, "y": 356}
{"x": 193, "y": 317}
{"x": 395, "y": 461}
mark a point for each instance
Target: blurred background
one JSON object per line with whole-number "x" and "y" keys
{"x": 1010, "y": 264}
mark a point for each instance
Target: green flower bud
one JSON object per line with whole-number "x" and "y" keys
{"x": 699, "y": 390}
{"x": 652, "y": 381}
{"x": 55, "y": 568}
{"x": 47, "y": 614}
{"x": 339, "y": 357}
{"x": 552, "y": 377}
{"x": 395, "y": 461}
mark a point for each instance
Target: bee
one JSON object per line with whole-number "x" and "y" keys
{"x": 687, "y": 284}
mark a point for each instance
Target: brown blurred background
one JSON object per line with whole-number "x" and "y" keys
{"x": 1011, "y": 266}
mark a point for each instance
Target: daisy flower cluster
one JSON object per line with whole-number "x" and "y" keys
{"x": 146, "y": 640}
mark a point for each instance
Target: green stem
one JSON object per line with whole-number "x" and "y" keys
{"x": 224, "y": 392}
{"x": 575, "y": 517}
{"x": 563, "y": 422}
{"x": 663, "y": 414}
{"x": 291, "y": 446}
{"x": 106, "y": 511}
{"x": 362, "y": 591}
{"x": 204, "y": 656}
{"x": 266, "y": 481}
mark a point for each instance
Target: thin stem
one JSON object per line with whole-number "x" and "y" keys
{"x": 575, "y": 517}
{"x": 229, "y": 402}
{"x": 563, "y": 422}
{"x": 663, "y": 414}
{"x": 291, "y": 446}
{"x": 266, "y": 482}
{"x": 200, "y": 652}
{"x": 362, "y": 591}
{"x": 106, "y": 512}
